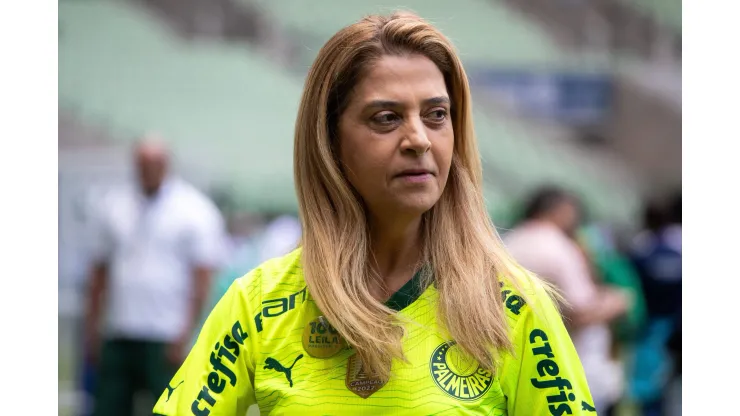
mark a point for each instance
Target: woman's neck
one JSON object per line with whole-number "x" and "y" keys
{"x": 396, "y": 247}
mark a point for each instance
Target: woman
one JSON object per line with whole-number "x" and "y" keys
{"x": 401, "y": 299}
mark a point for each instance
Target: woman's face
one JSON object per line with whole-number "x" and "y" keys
{"x": 396, "y": 137}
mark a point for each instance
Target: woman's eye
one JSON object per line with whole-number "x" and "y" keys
{"x": 437, "y": 116}
{"x": 385, "y": 118}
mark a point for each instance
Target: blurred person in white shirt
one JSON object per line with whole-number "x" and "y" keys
{"x": 157, "y": 243}
{"x": 544, "y": 244}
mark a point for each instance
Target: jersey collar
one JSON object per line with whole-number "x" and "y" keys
{"x": 407, "y": 294}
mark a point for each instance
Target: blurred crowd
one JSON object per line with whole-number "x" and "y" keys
{"x": 164, "y": 255}
{"x": 621, "y": 293}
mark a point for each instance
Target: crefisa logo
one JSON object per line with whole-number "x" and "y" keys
{"x": 457, "y": 374}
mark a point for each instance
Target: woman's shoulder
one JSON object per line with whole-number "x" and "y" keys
{"x": 275, "y": 276}
{"x": 522, "y": 291}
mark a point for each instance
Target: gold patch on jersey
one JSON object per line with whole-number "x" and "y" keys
{"x": 321, "y": 340}
{"x": 358, "y": 381}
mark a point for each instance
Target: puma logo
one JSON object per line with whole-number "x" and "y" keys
{"x": 170, "y": 390}
{"x": 587, "y": 407}
{"x": 273, "y": 364}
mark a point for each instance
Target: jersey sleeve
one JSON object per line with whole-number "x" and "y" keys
{"x": 544, "y": 375}
{"x": 218, "y": 374}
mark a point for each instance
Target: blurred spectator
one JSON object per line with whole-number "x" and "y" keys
{"x": 656, "y": 253}
{"x": 612, "y": 264}
{"x": 675, "y": 342}
{"x": 157, "y": 244}
{"x": 544, "y": 244}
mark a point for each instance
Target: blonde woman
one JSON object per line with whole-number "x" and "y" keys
{"x": 401, "y": 298}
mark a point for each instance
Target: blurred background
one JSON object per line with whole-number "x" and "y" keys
{"x": 584, "y": 95}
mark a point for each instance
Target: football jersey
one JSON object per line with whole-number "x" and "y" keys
{"x": 265, "y": 342}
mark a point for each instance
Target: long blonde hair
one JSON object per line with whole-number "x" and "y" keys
{"x": 461, "y": 247}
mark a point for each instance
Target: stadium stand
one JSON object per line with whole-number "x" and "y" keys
{"x": 116, "y": 63}
{"x": 119, "y": 63}
{"x": 483, "y": 33}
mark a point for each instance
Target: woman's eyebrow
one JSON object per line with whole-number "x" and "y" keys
{"x": 382, "y": 104}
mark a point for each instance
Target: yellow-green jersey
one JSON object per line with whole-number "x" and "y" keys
{"x": 265, "y": 342}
